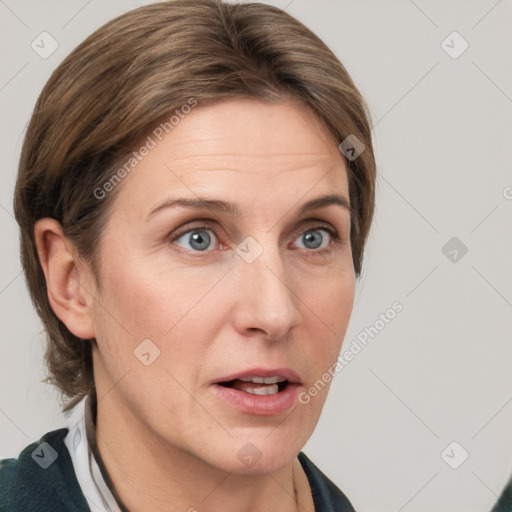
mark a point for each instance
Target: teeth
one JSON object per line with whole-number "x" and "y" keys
{"x": 269, "y": 390}
{"x": 263, "y": 380}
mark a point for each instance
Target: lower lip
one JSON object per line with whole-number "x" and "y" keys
{"x": 262, "y": 405}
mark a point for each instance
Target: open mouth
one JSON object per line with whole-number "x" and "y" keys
{"x": 260, "y": 391}
{"x": 257, "y": 385}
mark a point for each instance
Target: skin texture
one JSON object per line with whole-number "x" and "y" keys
{"x": 166, "y": 438}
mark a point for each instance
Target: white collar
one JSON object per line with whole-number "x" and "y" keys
{"x": 88, "y": 473}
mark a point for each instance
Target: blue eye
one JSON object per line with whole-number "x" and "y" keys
{"x": 313, "y": 239}
{"x": 202, "y": 238}
{"x": 199, "y": 239}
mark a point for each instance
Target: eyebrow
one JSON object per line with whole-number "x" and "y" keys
{"x": 217, "y": 205}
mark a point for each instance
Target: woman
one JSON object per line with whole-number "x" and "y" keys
{"x": 195, "y": 190}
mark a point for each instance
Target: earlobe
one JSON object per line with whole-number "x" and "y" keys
{"x": 65, "y": 278}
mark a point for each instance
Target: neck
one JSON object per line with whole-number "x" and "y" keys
{"x": 149, "y": 473}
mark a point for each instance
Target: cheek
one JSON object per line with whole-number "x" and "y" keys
{"x": 149, "y": 303}
{"x": 329, "y": 310}
{"x": 331, "y": 299}
{"x": 172, "y": 309}
{"x": 138, "y": 305}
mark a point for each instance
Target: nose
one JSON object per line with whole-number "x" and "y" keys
{"x": 265, "y": 300}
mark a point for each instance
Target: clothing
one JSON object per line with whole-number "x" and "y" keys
{"x": 63, "y": 471}
{"x": 504, "y": 503}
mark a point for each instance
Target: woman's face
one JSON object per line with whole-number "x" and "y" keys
{"x": 259, "y": 288}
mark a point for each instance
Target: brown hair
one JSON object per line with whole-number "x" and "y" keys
{"x": 113, "y": 88}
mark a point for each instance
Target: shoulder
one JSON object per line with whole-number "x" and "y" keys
{"x": 41, "y": 479}
{"x": 504, "y": 503}
{"x": 327, "y": 497}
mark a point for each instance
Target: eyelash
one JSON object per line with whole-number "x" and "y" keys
{"x": 297, "y": 233}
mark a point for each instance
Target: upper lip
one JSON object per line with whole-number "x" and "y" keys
{"x": 287, "y": 373}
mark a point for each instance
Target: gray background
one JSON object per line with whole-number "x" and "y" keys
{"x": 440, "y": 370}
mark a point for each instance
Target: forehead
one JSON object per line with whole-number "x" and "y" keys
{"x": 242, "y": 150}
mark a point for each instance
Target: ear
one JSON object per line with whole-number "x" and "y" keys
{"x": 68, "y": 282}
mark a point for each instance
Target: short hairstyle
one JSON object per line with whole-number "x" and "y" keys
{"x": 138, "y": 69}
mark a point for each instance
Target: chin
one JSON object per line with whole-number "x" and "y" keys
{"x": 258, "y": 454}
